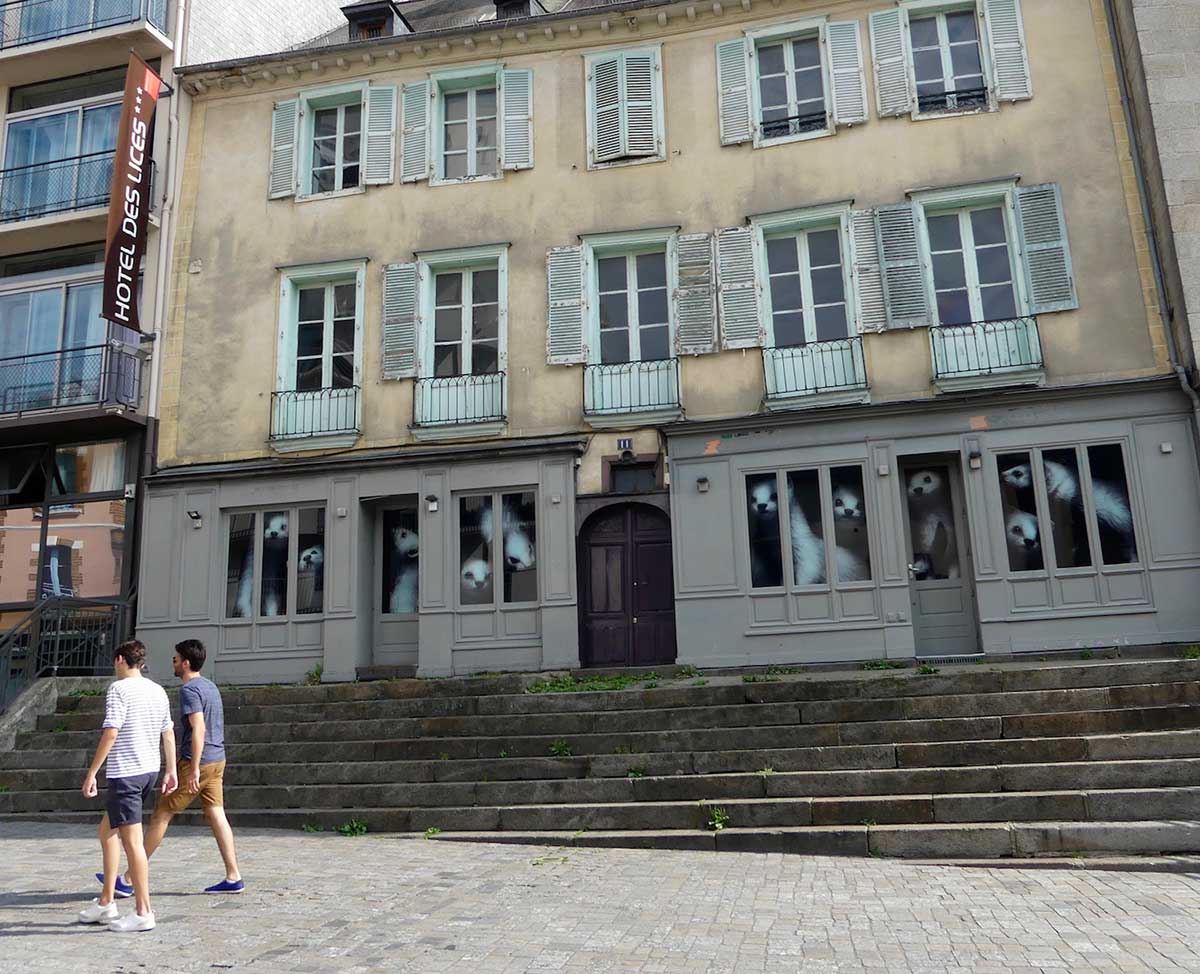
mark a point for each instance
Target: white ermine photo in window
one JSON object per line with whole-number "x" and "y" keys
{"x": 239, "y": 571}
{"x": 520, "y": 547}
{"x": 400, "y": 561}
{"x": 1022, "y": 530}
{"x": 310, "y": 561}
{"x": 275, "y": 563}
{"x": 475, "y": 550}
{"x": 762, "y": 518}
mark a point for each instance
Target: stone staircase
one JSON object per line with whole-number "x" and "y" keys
{"x": 973, "y": 761}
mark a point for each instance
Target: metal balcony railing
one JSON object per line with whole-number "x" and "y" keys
{"x": 806, "y": 370}
{"x": 630, "y": 387}
{"x": 956, "y": 100}
{"x": 24, "y": 22}
{"x": 457, "y": 400}
{"x": 985, "y": 348}
{"x": 55, "y": 187}
{"x": 96, "y": 375}
{"x": 794, "y": 125}
{"x": 314, "y": 412}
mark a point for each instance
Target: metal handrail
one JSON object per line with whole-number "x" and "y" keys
{"x": 67, "y": 377}
{"x": 56, "y": 186}
{"x": 459, "y": 400}
{"x": 794, "y": 124}
{"x": 986, "y": 347}
{"x": 963, "y": 98}
{"x": 636, "y": 386}
{"x": 815, "y": 367}
{"x": 314, "y": 412}
{"x": 24, "y": 22}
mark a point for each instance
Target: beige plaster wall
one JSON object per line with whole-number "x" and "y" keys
{"x": 220, "y": 354}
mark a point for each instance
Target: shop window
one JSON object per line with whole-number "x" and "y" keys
{"x": 310, "y": 561}
{"x": 516, "y": 548}
{"x": 762, "y": 500}
{"x": 852, "y": 548}
{"x": 400, "y": 562}
{"x": 239, "y": 573}
{"x": 931, "y": 524}
{"x": 1018, "y": 505}
{"x": 1068, "y": 525}
{"x": 56, "y": 571}
{"x": 1114, "y": 513}
{"x": 276, "y": 564}
{"x": 284, "y": 564}
{"x": 91, "y": 468}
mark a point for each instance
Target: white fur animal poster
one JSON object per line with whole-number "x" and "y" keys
{"x": 931, "y": 524}
{"x": 400, "y": 561}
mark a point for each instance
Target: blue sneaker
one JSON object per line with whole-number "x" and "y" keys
{"x": 124, "y": 890}
{"x": 225, "y": 886}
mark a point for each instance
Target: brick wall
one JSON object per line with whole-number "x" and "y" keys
{"x": 220, "y": 30}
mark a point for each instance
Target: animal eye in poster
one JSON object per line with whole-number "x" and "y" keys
{"x": 852, "y": 547}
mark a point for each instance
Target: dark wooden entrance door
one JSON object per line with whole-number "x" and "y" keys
{"x": 627, "y": 591}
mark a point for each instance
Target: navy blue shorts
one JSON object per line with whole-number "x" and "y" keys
{"x": 125, "y": 798}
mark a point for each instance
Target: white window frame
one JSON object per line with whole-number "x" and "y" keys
{"x": 432, "y": 263}
{"x": 459, "y": 80}
{"x": 496, "y": 549}
{"x": 793, "y": 30}
{"x": 660, "y": 111}
{"x": 927, "y": 8}
{"x": 256, "y": 617}
{"x": 311, "y": 101}
{"x": 293, "y": 279}
{"x": 958, "y": 199}
{"x": 629, "y": 245}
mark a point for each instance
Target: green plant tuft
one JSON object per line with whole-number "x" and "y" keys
{"x": 593, "y": 684}
{"x": 718, "y": 820}
{"x": 313, "y": 676}
{"x": 766, "y": 771}
{"x": 926, "y": 670}
{"x": 650, "y": 685}
{"x": 432, "y": 831}
{"x": 882, "y": 664}
{"x": 86, "y": 692}
{"x": 759, "y": 678}
{"x": 356, "y": 826}
{"x": 1192, "y": 652}
{"x": 560, "y": 748}
{"x": 503, "y": 754}
{"x": 783, "y": 670}
{"x": 58, "y": 728}
{"x": 1086, "y": 654}
{"x": 699, "y": 683}
{"x": 312, "y": 827}
{"x": 622, "y": 749}
{"x": 686, "y": 672}
{"x": 637, "y": 771}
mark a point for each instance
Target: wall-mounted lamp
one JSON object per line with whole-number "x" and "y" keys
{"x": 702, "y": 484}
{"x": 197, "y": 521}
{"x": 975, "y": 460}
{"x": 431, "y": 503}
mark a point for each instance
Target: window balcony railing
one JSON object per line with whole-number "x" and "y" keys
{"x": 459, "y": 400}
{"x": 985, "y": 348}
{"x": 617, "y": 388}
{"x": 815, "y": 368}
{"x": 24, "y": 22}
{"x": 43, "y": 188}
{"x": 960, "y": 100}
{"x": 777, "y": 128}
{"x": 96, "y": 375}
{"x": 299, "y": 413}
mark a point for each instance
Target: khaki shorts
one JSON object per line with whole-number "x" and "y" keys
{"x": 211, "y": 791}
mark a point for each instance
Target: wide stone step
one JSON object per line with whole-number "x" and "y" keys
{"x": 390, "y": 740}
{"x": 452, "y": 717}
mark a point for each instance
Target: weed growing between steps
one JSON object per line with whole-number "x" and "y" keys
{"x": 356, "y": 826}
{"x": 312, "y": 827}
{"x": 560, "y": 748}
{"x": 882, "y": 664}
{"x": 686, "y": 672}
{"x": 313, "y": 677}
{"x": 86, "y": 692}
{"x": 718, "y": 820}
{"x": 3, "y": 789}
{"x": 432, "y": 831}
{"x": 593, "y": 684}
{"x": 637, "y": 772}
{"x": 926, "y": 670}
{"x": 1192, "y": 652}
{"x": 758, "y": 678}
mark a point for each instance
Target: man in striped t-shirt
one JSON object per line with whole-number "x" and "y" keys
{"x": 136, "y": 716}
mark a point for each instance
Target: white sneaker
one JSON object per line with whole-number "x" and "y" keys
{"x": 95, "y": 913}
{"x": 132, "y": 923}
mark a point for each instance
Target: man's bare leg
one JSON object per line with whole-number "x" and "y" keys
{"x": 110, "y": 850}
{"x": 224, "y": 836}
{"x": 139, "y": 869}
{"x": 159, "y": 822}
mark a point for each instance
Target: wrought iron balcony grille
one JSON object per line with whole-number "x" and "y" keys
{"x": 794, "y": 125}
{"x": 24, "y": 22}
{"x": 459, "y": 400}
{"x": 96, "y": 375}
{"x": 631, "y": 387}
{"x": 956, "y": 100}
{"x": 803, "y": 370}
{"x": 986, "y": 348}
{"x": 43, "y": 188}
{"x": 297, "y": 413}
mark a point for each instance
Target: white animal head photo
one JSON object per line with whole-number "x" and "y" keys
{"x": 518, "y": 550}
{"x": 312, "y": 558}
{"x": 764, "y": 497}
{"x": 476, "y": 573}
{"x": 1022, "y": 531}
{"x": 848, "y": 504}
{"x": 406, "y": 542}
{"x": 1019, "y": 477}
{"x": 276, "y": 528}
{"x": 925, "y": 483}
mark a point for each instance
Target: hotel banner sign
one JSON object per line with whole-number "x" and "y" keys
{"x": 129, "y": 205}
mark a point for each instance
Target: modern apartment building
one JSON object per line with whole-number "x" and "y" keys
{"x": 638, "y": 332}
{"x": 77, "y": 393}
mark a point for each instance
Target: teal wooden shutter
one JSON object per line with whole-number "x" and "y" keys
{"x": 640, "y": 97}
{"x": 1006, "y": 49}
{"x": 606, "y": 121}
{"x": 401, "y": 320}
{"x": 844, "y": 49}
{"x": 565, "y": 344}
{"x": 414, "y": 137}
{"x": 866, "y": 272}
{"x": 904, "y": 286}
{"x": 695, "y": 306}
{"x": 733, "y": 91}
{"x": 889, "y": 51}
{"x": 284, "y": 123}
{"x": 737, "y": 288}
{"x": 380, "y": 152}
{"x": 516, "y": 108}
{"x": 1049, "y": 275}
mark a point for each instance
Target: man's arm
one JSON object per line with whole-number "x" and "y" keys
{"x": 171, "y": 778}
{"x": 197, "y": 721}
{"x": 108, "y": 737}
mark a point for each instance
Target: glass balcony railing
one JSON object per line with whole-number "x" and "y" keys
{"x": 98, "y": 375}
{"x": 24, "y": 22}
{"x": 815, "y": 368}
{"x": 615, "y": 388}
{"x": 43, "y": 188}
{"x": 985, "y": 348}
{"x": 297, "y": 413}
{"x": 458, "y": 400}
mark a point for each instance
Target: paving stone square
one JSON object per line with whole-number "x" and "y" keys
{"x": 325, "y": 903}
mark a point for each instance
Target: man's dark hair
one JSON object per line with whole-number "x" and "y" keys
{"x": 133, "y": 652}
{"x": 191, "y": 650}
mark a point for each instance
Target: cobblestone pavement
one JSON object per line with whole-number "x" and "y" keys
{"x": 327, "y": 903}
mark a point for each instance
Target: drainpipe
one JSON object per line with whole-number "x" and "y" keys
{"x": 1135, "y": 143}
